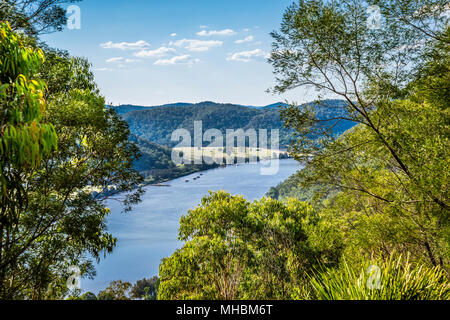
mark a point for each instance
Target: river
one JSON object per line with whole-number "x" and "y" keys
{"x": 149, "y": 232}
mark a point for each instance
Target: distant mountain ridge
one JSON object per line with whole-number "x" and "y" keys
{"x": 125, "y": 108}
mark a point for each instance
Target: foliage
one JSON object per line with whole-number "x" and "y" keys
{"x": 240, "y": 250}
{"x": 156, "y": 165}
{"x": 389, "y": 174}
{"x": 375, "y": 207}
{"x": 34, "y": 17}
{"x": 295, "y": 187}
{"x": 25, "y": 138}
{"x": 395, "y": 278}
{"x": 328, "y": 46}
{"x": 88, "y": 296}
{"x": 379, "y": 190}
{"x": 63, "y": 73}
{"x": 62, "y": 222}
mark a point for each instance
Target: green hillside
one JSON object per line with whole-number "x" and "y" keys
{"x": 158, "y": 123}
{"x": 293, "y": 187}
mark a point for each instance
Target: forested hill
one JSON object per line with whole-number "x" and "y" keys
{"x": 125, "y": 108}
{"x": 157, "y": 123}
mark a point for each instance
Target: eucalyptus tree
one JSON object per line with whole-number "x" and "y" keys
{"x": 25, "y": 138}
{"x": 34, "y": 17}
{"x": 392, "y": 70}
{"x": 240, "y": 250}
{"x": 53, "y": 210}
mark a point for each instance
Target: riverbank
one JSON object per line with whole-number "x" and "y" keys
{"x": 184, "y": 170}
{"x": 176, "y": 173}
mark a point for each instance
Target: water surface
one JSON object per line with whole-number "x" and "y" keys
{"x": 149, "y": 232}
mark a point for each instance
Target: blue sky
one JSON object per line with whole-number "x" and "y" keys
{"x": 156, "y": 52}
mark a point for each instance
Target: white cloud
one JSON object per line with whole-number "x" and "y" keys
{"x": 114, "y": 60}
{"x": 184, "y": 59}
{"x": 196, "y": 45}
{"x": 103, "y": 69}
{"x": 138, "y": 45}
{"x": 158, "y": 53}
{"x": 173, "y": 35}
{"x": 246, "y": 39}
{"x": 203, "y": 27}
{"x": 225, "y": 32}
{"x": 246, "y": 30}
{"x": 247, "y": 56}
{"x": 120, "y": 60}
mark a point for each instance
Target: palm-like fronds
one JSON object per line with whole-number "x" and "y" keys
{"x": 393, "y": 279}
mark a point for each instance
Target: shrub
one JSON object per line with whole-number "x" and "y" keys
{"x": 393, "y": 279}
